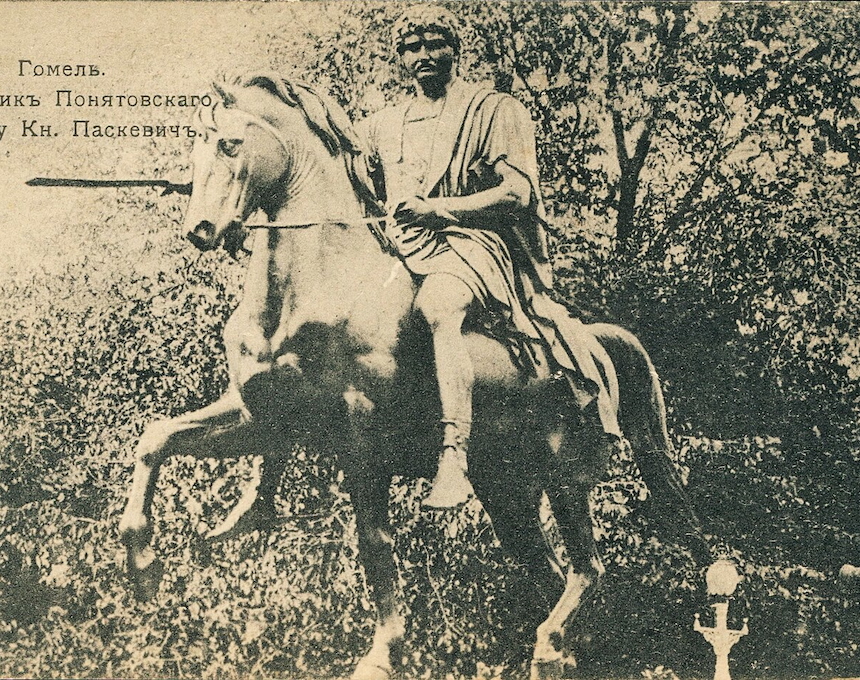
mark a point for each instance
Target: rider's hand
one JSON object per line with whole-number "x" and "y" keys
{"x": 426, "y": 212}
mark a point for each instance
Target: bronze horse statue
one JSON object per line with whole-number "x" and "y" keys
{"x": 325, "y": 348}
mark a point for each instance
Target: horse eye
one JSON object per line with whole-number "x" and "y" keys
{"x": 229, "y": 147}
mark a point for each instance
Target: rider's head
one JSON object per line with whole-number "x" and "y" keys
{"x": 427, "y": 39}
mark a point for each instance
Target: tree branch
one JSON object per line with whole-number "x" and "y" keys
{"x": 628, "y": 185}
{"x": 620, "y": 142}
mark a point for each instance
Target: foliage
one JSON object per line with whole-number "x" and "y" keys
{"x": 717, "y": 149}
{"x": 700, "y": 168}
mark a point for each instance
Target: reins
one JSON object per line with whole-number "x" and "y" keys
{"x": 364, "y": 193}
{"x": 334, "y": 222}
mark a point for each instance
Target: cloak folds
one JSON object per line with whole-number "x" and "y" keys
{"x": 508, "y": 257}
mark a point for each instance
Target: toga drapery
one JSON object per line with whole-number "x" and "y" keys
{"x": 505, "y": 262}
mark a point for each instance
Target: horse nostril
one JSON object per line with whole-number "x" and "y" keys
{"x": 234, "y": 240}
{"x": 202, "y": 236}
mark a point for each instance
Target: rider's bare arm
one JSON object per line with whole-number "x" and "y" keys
{"x": 513, "y": 193}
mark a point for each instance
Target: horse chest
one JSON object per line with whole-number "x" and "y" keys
{"x": 365, "y": 296}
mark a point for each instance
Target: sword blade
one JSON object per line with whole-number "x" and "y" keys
{"x": 75, "y": 182}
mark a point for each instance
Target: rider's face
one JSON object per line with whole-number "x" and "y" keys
{"x": 427, "y": 56}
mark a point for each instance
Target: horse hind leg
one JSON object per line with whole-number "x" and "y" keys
{"x": 550, "y": 661}
{"x": 505, "y": 482}
{"x": 571, "y": 475}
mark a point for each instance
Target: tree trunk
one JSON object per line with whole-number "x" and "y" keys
{"x": 626, "y": 231}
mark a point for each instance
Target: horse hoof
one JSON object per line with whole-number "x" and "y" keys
{"x": 849, "y": 572}
{"x": 135, "y": 533}
{"x": 371, "y": 670}
{"x": 146, "y": 580}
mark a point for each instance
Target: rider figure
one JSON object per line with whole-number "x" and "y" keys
{"x": 457, "y": 166}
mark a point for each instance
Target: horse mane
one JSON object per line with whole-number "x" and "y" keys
{"x": 322, "y": 113}
{"x": 330, "y": 123}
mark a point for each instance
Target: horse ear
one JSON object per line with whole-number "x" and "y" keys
{"x": 226, "y": 97}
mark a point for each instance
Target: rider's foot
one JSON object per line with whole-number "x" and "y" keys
{"x": 450, "y": 487}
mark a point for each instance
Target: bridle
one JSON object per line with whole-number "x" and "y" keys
{"x": 365, "y": 194}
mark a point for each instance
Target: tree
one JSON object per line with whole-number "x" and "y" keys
{"x": 716, "y": 146}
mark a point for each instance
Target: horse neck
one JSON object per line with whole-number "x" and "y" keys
{"x": 329, "y": 272}
{"x": 315, "y": 185}
{"x": 317, "y": 189}
{"x": 319, "y": 192}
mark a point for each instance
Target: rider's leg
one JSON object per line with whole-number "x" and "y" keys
{"x": 443, "y": 300}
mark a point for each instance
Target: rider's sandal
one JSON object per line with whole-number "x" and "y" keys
{"x": 451, "y": 487}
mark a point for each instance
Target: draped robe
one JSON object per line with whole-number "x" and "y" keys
{"x": 505, "y": 259}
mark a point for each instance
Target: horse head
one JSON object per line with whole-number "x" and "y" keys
{"x": 244, "y": 149}
{"x": 238, "y": 159}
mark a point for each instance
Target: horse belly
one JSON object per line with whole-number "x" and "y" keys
{"x": 491, "y": 361}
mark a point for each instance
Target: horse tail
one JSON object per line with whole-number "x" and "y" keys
{"x": 642, "y": 417}
{"x": 641, "y": 408}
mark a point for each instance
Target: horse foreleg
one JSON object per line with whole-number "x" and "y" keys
{"x": 375, "y": 546}
{"x": 368, "y": 485}
{"x": 255, "y": 509}
{"x": 161, "y": 439}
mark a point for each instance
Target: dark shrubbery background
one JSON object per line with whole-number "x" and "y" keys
{"x": 700, "y": 164}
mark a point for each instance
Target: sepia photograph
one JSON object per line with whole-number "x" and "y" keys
{"x": 445, "y": 340}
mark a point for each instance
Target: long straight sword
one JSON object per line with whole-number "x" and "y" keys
{"x": 373, "y": 223}
{"x": 172, "y": 187}
{"x": 167, "y": 185}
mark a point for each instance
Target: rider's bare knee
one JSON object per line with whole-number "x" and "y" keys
{"x": 440, "y": 309}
